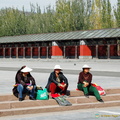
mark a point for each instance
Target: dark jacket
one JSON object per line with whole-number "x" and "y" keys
{"x": 52, "y": 78}
{"x": 85, "y": 77}
{"x": 20, "y": 79}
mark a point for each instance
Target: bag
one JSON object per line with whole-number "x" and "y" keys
{"x": 62, "y": 101}
{"x": 39, "y": 88}
{"x": 42, "y": 94}
{"x": 99, "y": 88}
{"x": 15, "y": 92}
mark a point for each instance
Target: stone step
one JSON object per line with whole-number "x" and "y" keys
{"x": 108, "y": 91}
{"x": 56, "y": 108}
{"x": 52, "y": 102}
{"x": 73, "y": 93}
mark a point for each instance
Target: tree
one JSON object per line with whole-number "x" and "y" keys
{"x": 117, "y": 14}
{"x": 107, "y": 18}
{"x": 95, "y": 16}
{"x": 101, "y": 16}
{"x": 69, "y": 15}
{"x": 87, "y": 15}
{"x": 13, "y": 22}
{"x": 63, "y": 16}
{"x": 78, "y": 8}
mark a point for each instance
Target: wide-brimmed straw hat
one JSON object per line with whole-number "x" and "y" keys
{"x": 26, "y": 69}
{"x": 57, "y": 67}
{"x": 86, "y": 66}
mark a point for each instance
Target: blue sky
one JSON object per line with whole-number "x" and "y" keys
{"x": 26, "y": 3}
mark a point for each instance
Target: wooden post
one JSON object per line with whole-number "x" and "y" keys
{"x": 108, "y": 51}
{"x": 16, "y": 52}
{"x": 47, "y": 52}
{"x": 23, "y": 52}
{"x": 31, "y": 54}
{"x": 97, "y": 51}
{"x": 4, "y": 52}
{"x": 10, "y": 52}
{"x": 38, "y": 52}
{"x": 64, "y": 51}
{"x": 76, "y": 52}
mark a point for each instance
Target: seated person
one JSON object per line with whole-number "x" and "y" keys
{"x": 84, "y": 83}
{"x": 57, "y": 82}
{"x": 25, "y": 83}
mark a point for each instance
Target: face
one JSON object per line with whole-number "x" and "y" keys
{"x": 57, "y": 71}
{"x": 26, "y": 73}
{"x": 86, "y": 70}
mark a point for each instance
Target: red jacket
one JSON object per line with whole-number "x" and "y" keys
{"x": 85, "y": 77}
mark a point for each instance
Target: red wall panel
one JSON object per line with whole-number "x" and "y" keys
{"x": 35, "y": 51}
{"x": 20, "y": 51}
{"x": 85, "y": 50}
{"x": 113, "y": 50}
{"x": 102, "y": 50}
{"x": 1, "y": 52}
{"x": 57, "y": 51}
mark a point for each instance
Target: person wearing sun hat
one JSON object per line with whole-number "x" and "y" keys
{"x": 25, "y": 83}
{"x": 84, "y": 83}
{"x": 57, "y": 82}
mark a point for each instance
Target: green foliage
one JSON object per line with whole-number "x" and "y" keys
{"x": 117, "y": 14}
{"x": 107, "y": 18}
{"x": 68, "y": 15}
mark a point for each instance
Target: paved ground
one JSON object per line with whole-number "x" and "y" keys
{"x": 85, "y": 114}
{"x": 106, "y": 73}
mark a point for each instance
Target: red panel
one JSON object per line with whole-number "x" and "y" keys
{"x": 70, "y": 51}
{"x": 27, "y": 51}
{"x": 13, "y": 51}
{"x": 35, "y": 51}
{"x": 20, "y": 51}
{"x": 7, "y": 51}
{"x": 102, "y": 50}
{"x": 50, "y": 51}
{"x": 93, "y": 50}
{"x": 57, "y": 51}
{"x": 113, "y": 50}
{"x": 1, "y": 51}
{"x": 85, "y": 50}
{"x": 78, "y": 50}
{"x": 43, "y": 51}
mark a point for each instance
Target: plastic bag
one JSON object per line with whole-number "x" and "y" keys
{"x": 62, "y": 101}
{"x": 42, "y": 94}
{"x": 99, "y": 88}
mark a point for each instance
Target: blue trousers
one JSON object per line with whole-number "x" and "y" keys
{"x": 21, "y": 89}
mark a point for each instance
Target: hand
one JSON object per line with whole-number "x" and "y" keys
{"x": 62, "y": 85}
{"x": 30, "y": 87}
{"x": 85, "y": 84}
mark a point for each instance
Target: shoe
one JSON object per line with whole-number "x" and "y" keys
{"x": 87, "y": 95}
{"x": 31, "y": 98}
{"x": 20, "y": 99}
{"x": 100, "y": 100}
